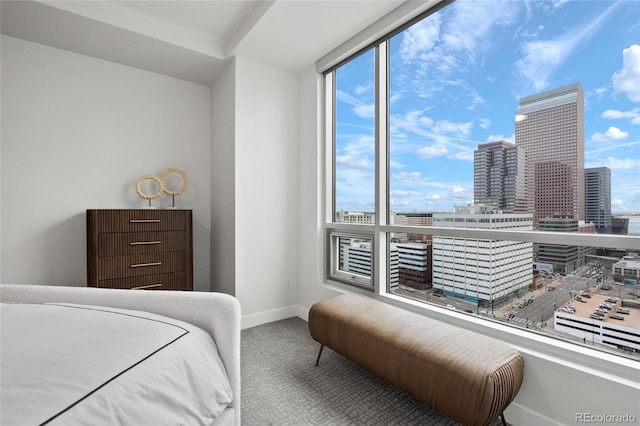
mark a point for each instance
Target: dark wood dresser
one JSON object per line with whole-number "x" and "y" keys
{"x": 140, "y": 249}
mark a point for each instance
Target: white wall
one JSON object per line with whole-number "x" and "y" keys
{"x": 310, "y": 193}
{"x": 223, "y": 245}
{"x": 77, "y": 134}
{"x": 266, "y": 147}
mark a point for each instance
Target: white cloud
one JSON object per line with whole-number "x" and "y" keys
{"x": 623, "y": 163}
{"x": 432, "y": 151}
{"x": 459, "y": 192}
{"x": 542, "y": 57}
{"x": 410, "y": 176}
{"x": 613, "y": 134}
{"x": 400, "y": 193}
{"x": 442, "y": 135}
{"x": 420, "y": 38}
{"x": 540, "y": 60}
{"x": 627, "y": 80}
{"x": 365, "y": 110}
{"x": 462, "y": 155}
{"x": 633, "y": 115}
{"x": 352, "y": 163}
{"x": 456, "y": 129}
{"x": 472, "y": 24}
{"x": 485, "y": 123}
{"x": 359, "y": 90}
{"x": 450, "y": 41}
{"x": 600, "y": 91}
{"x": 360, "y": 108}
{"x": 498, "y": 138}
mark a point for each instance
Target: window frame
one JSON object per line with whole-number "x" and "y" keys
{"x": 527, "y": 340}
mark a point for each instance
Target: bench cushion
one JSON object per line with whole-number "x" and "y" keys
{"x": 467, "y": 376}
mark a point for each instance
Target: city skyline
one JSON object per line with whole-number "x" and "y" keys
{"x": 452, "y": 90}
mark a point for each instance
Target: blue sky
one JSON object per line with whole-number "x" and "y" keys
{"x": 455, "y": 81}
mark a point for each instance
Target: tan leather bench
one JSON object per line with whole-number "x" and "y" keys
{"x": 467, "y": 376}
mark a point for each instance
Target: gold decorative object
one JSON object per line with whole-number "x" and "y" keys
{"x": 149, "y": 196}
{"x": 185, "y": 182}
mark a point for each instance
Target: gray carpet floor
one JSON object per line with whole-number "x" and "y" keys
{"x": 281, "y": 386}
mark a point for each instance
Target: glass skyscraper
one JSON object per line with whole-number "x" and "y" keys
{"x": 499, "y": 176}
{"x": 597, "y": 198}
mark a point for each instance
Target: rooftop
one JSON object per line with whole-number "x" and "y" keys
{"x": 584, "y": 310}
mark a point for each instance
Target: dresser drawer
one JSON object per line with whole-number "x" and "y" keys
{"x": 107, "y": 221}
{"x": 140, "y": 248}
{"x": 171, "y": 281}
{"x": 124, "y": 243}
{"x": 140, "y": 264}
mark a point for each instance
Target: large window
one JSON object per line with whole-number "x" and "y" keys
{"x": 457, "y": 147}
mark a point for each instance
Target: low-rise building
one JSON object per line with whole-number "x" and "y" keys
{"x": 627, "y": 269}
{"x": 486, "y": 272}
{"x": 602, "y": 329}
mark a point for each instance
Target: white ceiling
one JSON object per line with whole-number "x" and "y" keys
{"x": 192, "y": 40}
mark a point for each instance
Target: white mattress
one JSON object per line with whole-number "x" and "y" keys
{"x": 70, "y": 364}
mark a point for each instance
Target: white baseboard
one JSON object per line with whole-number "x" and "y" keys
{"x": 519, "y": 415}
{"x": 265, "y": 317}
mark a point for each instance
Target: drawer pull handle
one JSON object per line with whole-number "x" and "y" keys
{"x": 144, "y": 287}
{"x": 144, "y": 243}
{"x": 140, "y": 265}
{"x": 144, "y": 221}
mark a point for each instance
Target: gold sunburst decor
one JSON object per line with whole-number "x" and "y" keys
{"x": 185, "y": 180}
{"x": 185, "y": 183}
{"x": 153, "y": 196}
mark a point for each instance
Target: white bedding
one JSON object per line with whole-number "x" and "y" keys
{"x": 78, "y": 364}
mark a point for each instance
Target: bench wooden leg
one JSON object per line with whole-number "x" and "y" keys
{"x": 319, "y": 353}
{"x": 504, "y": 422}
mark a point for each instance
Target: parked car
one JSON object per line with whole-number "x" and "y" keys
{"x": 580, "y": 299}
{"x": 596, "y": 316}
{"x": 617, "y": 317}
{"x": 550, "y": 288}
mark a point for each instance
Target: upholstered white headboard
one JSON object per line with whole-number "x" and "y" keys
{"x": 216, "y": 313}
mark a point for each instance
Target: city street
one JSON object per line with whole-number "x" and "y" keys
{"x": 534, "y": 309}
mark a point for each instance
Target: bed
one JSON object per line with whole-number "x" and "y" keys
{"x": 77, "y": 355}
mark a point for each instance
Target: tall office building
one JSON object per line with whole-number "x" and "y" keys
{"x": 550, "y": 129}
{"x": 499, "y": 176}
{"x": 597, "y": 198}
